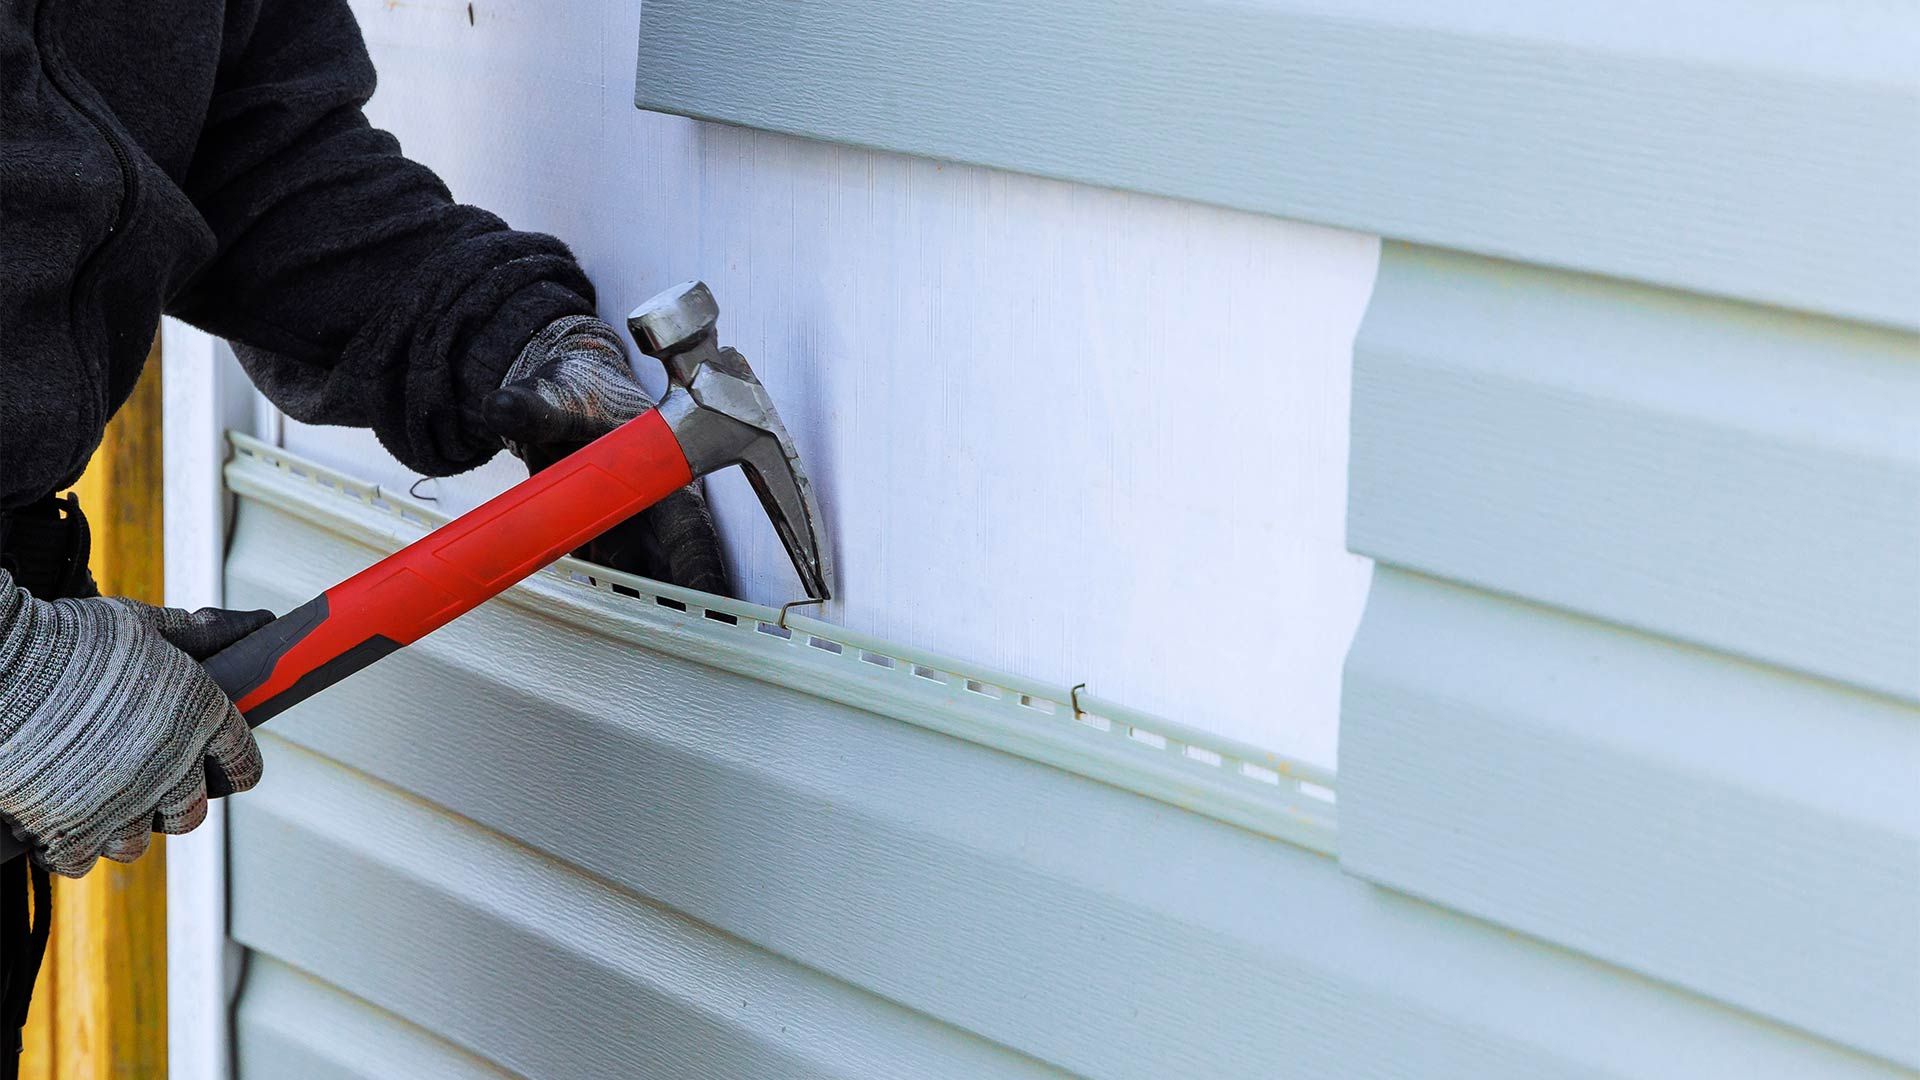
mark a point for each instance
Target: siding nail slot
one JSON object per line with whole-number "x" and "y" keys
{"x": 1153, "y": 739}
{"x": 1255, "y": 772}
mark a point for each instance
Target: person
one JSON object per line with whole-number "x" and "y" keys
{"x": 210, "y": 159}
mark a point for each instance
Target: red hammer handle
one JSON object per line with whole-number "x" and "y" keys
{"x": 456, "y": 568}
{"x": 447, "y": 573}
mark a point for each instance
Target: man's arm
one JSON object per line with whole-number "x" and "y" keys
{"x": 356, "y": 291}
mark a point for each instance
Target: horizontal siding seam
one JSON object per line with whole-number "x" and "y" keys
{"x": 1721, "y": 826}
{"x": 560, "y": 909}
{"x": 1397, "y": 562}
{"x": 561, "y": 867}
{"x": 255, "y": 1018}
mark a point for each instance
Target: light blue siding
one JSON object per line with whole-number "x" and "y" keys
{"x": 939, "y": 906}
{"x": 1630, "y": 728}
{"x": 533, "y": 965}
{"x": 1699, "y": 145}
{"x": 292, "y": 1026}
{"x": 1640, "y": 669}
{"x": 1743, "y": 478}
{"x": 1747, "y": 833}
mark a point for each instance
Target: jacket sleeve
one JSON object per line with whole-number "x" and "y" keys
{"x": 355, "y": 290}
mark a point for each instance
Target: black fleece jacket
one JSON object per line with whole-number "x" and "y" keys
{"x": 209, "y": 158}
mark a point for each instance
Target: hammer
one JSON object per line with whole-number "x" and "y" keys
{"x": 715, "y": 414}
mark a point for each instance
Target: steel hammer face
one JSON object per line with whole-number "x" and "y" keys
{"x": 721, "y": 416}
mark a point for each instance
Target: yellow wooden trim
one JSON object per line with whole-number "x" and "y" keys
{"x": 100, "y": 1009}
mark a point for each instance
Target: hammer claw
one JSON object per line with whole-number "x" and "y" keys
{"x": 788, "y": 499}
{"x": 722, "y": 415}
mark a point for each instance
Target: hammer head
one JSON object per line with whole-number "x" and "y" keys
{"x": 722, "y": 416}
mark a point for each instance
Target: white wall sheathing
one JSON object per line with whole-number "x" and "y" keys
{"x": 1044, "y": 419}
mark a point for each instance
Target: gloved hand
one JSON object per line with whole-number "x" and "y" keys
{"x": 108, "y": 727}
{"x": 571, "y": 385}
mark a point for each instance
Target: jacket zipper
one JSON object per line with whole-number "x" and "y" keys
{"x": 50, "y": 50}
{"x": 123, "y": 207}
{"x": 53, "y": 63}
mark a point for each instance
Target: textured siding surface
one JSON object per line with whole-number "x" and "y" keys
{"x": 1640, "y": 667}
{"x": 539, "y": 967}
{"x": 1737, "y": 477}
{"x": 293, "y": 1026}
{"x": 1749, "y": 833}
{"x": 652, "y": 866}
{"x": 1700, "y": 145}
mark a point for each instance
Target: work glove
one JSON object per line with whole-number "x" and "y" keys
{"x": 571, "y": 385}
{"x": 109, "y": 729}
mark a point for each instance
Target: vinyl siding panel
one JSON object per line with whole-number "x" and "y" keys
{"x": 292, "y": 1026}
{"x": 533, "y": 964}
{"x": 1629, "y": 732}
{"x": 1737, "y": 477}
{"x": 1639, "y": 670}
{"x": 1745, "y": 832}
{"x": 1700, "y": 145}
{"x": 456, "y": 829}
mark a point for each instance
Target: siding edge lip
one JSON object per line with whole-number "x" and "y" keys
{"x": 1386, "y": 557}
{"x": 1256, "y": 789}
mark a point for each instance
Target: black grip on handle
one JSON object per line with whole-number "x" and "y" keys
{"x": 244, "y": 665}
{"x": 328, "y": 673}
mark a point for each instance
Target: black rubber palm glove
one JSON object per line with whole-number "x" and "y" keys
{"x": 571, "y": 385}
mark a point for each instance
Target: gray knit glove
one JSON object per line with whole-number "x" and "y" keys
{"x": 571, "y": 385}
{"x": 109, "y": 729}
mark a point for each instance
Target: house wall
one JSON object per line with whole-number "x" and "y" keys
{"x": 1628, "y": 728}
